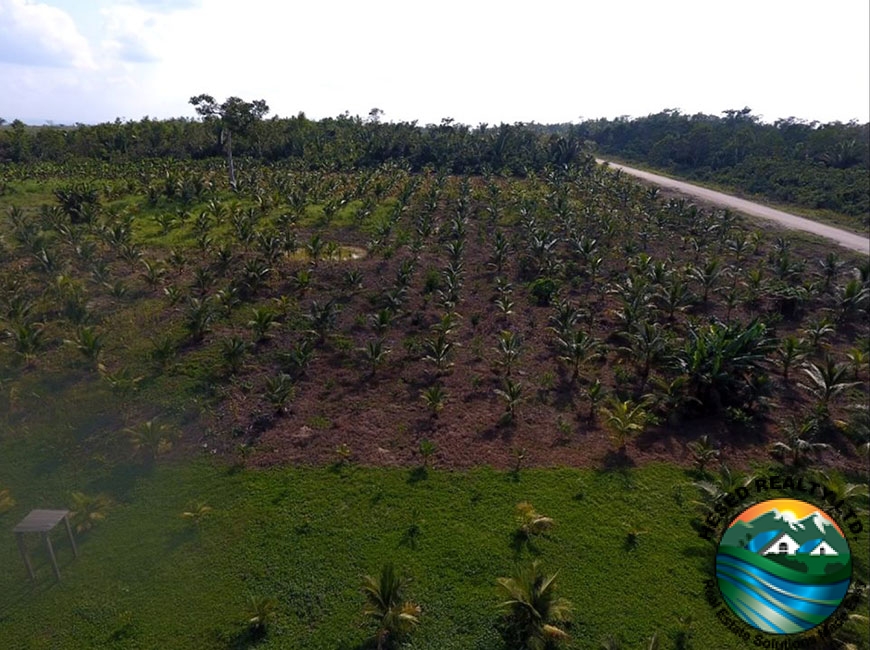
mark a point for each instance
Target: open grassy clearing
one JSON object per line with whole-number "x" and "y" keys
{"x": 147, "y": 578}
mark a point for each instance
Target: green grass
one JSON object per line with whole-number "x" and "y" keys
{"x": 147, "y": 578}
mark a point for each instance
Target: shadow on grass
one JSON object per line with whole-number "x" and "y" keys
{"x": 520, "y": 542}
{"x": 121, "y": 480}
{"x": 20, "y": 588}
{"x": 617, "y": 461}
{"x": 705, "y": 554}
{"x": 369, "y": 644}
{"x": 181, "y": 537}
{"x": 411, "y": 537}
{"x": 417, "y": 474}
{"x": 244, "y": 639}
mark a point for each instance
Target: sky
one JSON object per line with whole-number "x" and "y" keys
{"x": 476, "y": 61}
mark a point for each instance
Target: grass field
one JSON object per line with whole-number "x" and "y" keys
{"x": 147, "y": 578}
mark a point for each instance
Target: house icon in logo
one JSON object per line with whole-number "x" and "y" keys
{"x": 783, "y": 544}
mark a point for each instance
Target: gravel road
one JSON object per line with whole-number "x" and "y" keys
{"x": 842, "y": 237}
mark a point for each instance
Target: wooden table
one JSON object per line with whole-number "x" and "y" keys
{"x": 43, "y": 521}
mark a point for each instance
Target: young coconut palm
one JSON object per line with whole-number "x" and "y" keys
{"x": 385, "y": 603}
{"x": 798, "y": 445}
{"x": 261, "y": 613}
{"x": 530, "y": 521}
{"x": 150, "y": 438}
{"x": 826, "y": 382}
{"x": 6, "y": 501}
{"x": 534, "y": 612}
{"x": 86, "y": 511}
{"x": 625, "y": 419}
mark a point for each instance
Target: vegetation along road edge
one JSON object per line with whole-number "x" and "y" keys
{"x": 844, "y": 238}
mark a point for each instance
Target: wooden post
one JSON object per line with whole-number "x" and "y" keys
{"x": 20, "y": 539}
{"x": 70, "y": 534}
{"x": 51, "y": 555}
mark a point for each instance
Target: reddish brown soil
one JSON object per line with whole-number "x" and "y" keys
{"x": 382, "y": 418}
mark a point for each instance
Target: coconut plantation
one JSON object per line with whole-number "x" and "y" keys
{"x": 355, "y": 384}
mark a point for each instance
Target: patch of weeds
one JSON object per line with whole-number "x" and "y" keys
{"x": 320, "y": 422}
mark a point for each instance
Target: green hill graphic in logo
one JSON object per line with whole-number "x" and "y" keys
{"x": 783, "y": 566}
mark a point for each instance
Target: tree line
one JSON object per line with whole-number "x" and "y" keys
{"x": 341, "y": 143}
{"x": 822, "y": 166}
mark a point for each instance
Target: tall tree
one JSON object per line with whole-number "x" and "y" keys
{"x": 234, "y": 116}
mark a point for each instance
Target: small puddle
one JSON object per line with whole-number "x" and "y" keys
{"x": 349, "y": 253}
{"x": 341, "y": 254}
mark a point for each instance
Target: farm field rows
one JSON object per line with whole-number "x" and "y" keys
{"x": 331, "y": 370}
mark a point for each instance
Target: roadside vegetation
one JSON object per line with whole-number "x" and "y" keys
{"x": 821, "y": 167}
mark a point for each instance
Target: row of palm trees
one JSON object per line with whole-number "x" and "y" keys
{"x": 564, "y": 248}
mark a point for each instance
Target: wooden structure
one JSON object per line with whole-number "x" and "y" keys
{"x": 43, "y": 521}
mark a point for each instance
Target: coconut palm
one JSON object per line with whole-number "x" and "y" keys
{"x": 508, "y": 349}
{"x": 434, "y": 397}
{"x": 380, "y": 321}
{"x": 322, "y": 318}
{"x": 647, "y": 344}
{"x": 859, "y": 360}
{"x": 511, "y": 392}
{"x": 530, "y": 521}
{"x": 261, "y": 323}
{"x": 852, "y": 495}
{"x": 86, "y": 511}
{"x": 723, "y": 482}
{"x": 198, "y": 317}
{"x": 28, "y": 338}
{"x": 197, "y": 512}
{"x": 799, "y": 445}
{"x": 386, "y": 605}
{"x": 817, "y": 331}
{"x": 153, "y": 274}
{"x": 300, "y": 356}
{"x": 625, "y": 419}
{"x": 790, "y": 351}
{"x": 427, "y": 450}
{"x": 576, "y": 349}
{"x": 703, "y": 452}
{"x": 89, "y": 343}
{"x": 261, "y": 611}
{"x": 533, "y": 610}
{"x": 375, "y": 352}
{"x": 278, "y": 390}
{"x": 826, "y": 382}
{"x": 6, "y": 501}
{"x": 233, "y": 352}
{"x": 708, "y": 276}
{"x": 150, "y": 438}
{"x": 852, "y": 298}
{"x": 438, "y": 351}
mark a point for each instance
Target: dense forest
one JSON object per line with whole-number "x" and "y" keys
{"x": 823, "y": 166}
{"x": 820, "y": 166}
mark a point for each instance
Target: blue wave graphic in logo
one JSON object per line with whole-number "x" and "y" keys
{"x": 774, "y": 604}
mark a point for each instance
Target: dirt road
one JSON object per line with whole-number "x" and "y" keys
{"x": 842, "y": 237}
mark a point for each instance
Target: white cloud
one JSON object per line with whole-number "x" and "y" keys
{"x": 480, "y": 61}
{"x": 132, "y": 34}
{"x": 33, "y": 34}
